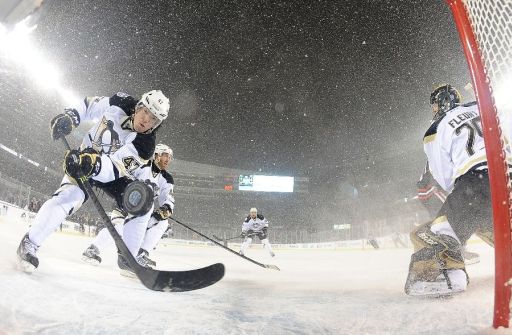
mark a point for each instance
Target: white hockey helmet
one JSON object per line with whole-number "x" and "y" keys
{"x": 253, "y": 210}
{"x": 157, "y": 103}
{"x": 163, "y": 149}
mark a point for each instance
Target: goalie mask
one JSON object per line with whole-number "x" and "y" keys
{"x": 443, "y": 99}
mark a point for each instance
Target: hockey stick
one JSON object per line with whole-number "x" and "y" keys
{"x": 266, "y": 266}
{"x": 168, "y": 281}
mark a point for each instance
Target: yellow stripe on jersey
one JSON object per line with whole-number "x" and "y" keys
{"x": 440, "y": 219}
{"x": 470, "y": 164}
{"x": 429, "y": 138}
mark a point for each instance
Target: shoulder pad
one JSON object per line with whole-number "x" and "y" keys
{"x": 259, "y": 216}
{"x": 124, "y": 101}
{"x": 247, "y": 218}
{"x": 145, "y": 145}
{"x": 432, "y": 130}
{"x": 168, "y": 177}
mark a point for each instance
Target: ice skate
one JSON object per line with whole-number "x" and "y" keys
{"x": 27, "y": 255}
{"x": 125, "y": 268}
{"x": 144, "y": 255}
{"x": 91, "y": 255}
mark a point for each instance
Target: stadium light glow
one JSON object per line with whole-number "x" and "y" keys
{"x": 17, "y": 47}
{"x": 501, "y": 91}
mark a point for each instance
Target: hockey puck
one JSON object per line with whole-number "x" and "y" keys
{"x": 137, "y": 198}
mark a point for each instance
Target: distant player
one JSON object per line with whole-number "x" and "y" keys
{"x": 122, "y": 140}
{"x": 456, "y": 155}
{"x": 156, "y": 173}
{"x": 255, "y": 225}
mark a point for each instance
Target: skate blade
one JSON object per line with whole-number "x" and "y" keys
{"x": 471, "y": 261}
{"x": 26, "y": 267}
{"x": 90, "y": 261}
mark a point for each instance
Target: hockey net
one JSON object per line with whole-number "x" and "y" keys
{"x": 485, "y": 30}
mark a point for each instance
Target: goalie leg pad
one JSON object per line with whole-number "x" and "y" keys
{"x": 437, "y": 255}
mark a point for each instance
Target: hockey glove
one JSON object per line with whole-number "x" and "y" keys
{"x": 82, "y": 164}
{"x": 163, "y": 213}
{"x": 248, "y": 233}
{"x": 62, "y": 124}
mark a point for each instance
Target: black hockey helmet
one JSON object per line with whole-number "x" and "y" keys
{"x": 445, "y": 97}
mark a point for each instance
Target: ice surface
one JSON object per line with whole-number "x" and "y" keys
{"x": 317, "y": 292}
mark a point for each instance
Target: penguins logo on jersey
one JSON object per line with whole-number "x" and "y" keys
{"x": 106, "y": 139}
{"x": 130, "y": 163}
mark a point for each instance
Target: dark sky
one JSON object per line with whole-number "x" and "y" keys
{"x": 324, "y": 89}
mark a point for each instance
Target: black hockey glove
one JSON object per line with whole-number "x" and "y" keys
{"x": 86, "y": 163}
{"x": 248, "y": 233}
{"x": 163, "y": 213}
{"x": 62, "y": 124}
{"x": 264, "y": 230}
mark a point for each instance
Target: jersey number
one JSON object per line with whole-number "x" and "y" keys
{"x": 472, "y": 127}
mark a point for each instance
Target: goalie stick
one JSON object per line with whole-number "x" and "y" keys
{"x": 266, "y": 266}
{"x": 156, "y": 280}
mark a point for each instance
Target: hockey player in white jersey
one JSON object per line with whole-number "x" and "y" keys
{"x": 456, "y": 156}
{"x": 155, "y": 173}
{"x": 118, "y": 144}
{"x": 255, "y": 225}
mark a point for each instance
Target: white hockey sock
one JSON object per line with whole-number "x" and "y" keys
{"x": 133, "y": 232}
{"x": 246, "y": 244}
{"x": 47, "y": 220}
{"x": 54, "y": 211}
{"x": 104, "y": 239}
{"x": 154, "y": 234}
{"x": 267, "y": 245}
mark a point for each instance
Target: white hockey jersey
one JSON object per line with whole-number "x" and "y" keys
{"x": 122, "y": 149}
{"x": 255, "y": 225}
{"x": 454, "y": 145}
{"x": 161, "y": 181}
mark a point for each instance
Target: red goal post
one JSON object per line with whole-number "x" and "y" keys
{"x": 485, "y": 30}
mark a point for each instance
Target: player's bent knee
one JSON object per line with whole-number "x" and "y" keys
{"x": 69, "y": 197}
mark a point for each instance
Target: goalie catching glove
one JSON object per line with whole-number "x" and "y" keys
{"x": 63, "y": 124}
{"x": 163, "y": 213}
{"x": 82, "y": 164}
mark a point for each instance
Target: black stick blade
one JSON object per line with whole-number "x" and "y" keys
{"x": 181, "y": 281}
